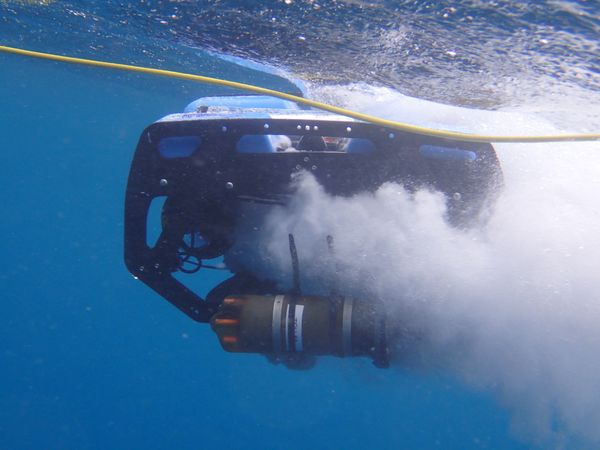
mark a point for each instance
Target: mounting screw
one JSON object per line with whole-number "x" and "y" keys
{"x": 163, "y": 182}
{"x": 229, "y": 185}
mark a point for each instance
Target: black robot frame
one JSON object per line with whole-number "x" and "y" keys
{"x": 204, "y": 190}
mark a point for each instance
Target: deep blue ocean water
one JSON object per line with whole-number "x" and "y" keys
{"x": 92, "y": 359}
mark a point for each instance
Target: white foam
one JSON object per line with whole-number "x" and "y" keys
{"x": 512, "y": 308}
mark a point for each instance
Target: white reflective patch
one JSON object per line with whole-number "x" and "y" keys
{"x": 287, "y": 328}
{"x": 225, "y": 113}
{"x": 299, "y": 312}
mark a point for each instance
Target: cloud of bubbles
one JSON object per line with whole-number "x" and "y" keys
{"x": 511, "y": 307}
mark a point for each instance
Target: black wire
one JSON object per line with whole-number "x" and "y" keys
{"x": 295, "y": 265}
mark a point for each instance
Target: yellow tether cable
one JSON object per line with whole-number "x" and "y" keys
{"x": 453, "y": 135}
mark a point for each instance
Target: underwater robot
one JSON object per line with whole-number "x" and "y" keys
{"x": 206, "y": 165}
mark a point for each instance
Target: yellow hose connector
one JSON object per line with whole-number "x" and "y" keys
{"x": 452, "y": 135}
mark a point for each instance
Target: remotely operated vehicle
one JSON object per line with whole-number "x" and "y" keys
{"x": 222, "y": 154}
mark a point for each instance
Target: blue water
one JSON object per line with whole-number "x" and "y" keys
{"x": 92, "y": 359}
